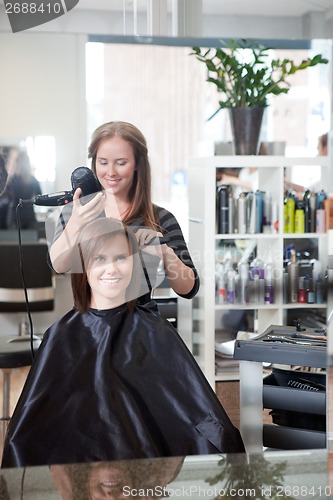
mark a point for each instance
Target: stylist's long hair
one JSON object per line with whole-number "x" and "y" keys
{"x": 140, "y": 193}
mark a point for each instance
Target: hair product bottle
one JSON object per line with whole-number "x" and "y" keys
{"x": 293, "y": 275}
{"x": 299, "y": 217}
{"x": 320, "y": 212}
{"x": 269, "y": 285}
{"x": 290, "y": 214}
{"x": 241, "y": 213}
{"x": 243, "y": 272}
{"x": 223, "y": 209}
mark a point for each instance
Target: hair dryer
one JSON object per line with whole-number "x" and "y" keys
{"x": 82, "y": 177}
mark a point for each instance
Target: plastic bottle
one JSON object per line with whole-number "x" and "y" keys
{"x": 299, "y": 217}
{"x": 290, "y": 221}
{"x": 220, "y": 284}
{"x": 231, "y": 289}
{"x": 293, "y": 275}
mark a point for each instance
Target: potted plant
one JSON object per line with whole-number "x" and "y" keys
{"x": 245, "y": 76}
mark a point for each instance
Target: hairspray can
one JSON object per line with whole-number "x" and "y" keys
{"x": 231, "y": 212}
{"x": 223, "y": 209}
{"x": 285, "y": 293}
{"x": 293, "y": 275}
{"x": 307, "y": 212}
{"x": 259, "y": 210}
{"x": 267, "y": 212}
{"x": 250, "y": 213}
{"x": 241, "y": 213}
{"x": 313, "y": 203}
{"x": 243, "y": 272}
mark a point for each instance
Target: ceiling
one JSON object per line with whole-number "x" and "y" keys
{"x": 290, "y": 8}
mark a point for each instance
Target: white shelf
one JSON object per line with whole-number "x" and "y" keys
{"x": 203, "y": 242}
{"x": 256, "y": 161}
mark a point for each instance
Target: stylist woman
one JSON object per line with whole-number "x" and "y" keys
{"x": 119, "y": 158}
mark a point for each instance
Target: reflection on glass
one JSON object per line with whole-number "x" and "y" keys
{"x": 117, "y": 480}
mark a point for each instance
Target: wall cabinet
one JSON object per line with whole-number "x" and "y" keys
{"x": 204, "y": 241}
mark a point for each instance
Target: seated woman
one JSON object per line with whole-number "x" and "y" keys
{"x": 112, "y": 379}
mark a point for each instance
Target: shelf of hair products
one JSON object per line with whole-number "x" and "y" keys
{"x": 253, "y": 279}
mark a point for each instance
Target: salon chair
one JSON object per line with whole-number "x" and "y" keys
{"x": 16, "y": 350}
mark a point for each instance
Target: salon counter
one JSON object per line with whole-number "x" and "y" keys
{"x": 303, "y": 474}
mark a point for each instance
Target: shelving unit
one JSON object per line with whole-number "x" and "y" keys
{"x": 203, "y": 240}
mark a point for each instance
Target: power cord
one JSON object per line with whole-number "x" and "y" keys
{"x": 31, "y": 329}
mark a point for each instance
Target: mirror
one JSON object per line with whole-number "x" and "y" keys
{"x": 55, "y": 101}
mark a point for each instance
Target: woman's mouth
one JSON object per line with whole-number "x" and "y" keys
{"x": 110, "y": 281}
{"x": 109, "y": 484}
{"x": 112, "y": 182}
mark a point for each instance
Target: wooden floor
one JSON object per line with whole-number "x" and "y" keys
{"x": 17, "y": 379}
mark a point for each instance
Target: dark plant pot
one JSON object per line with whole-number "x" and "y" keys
{"x": 245, "y": 126}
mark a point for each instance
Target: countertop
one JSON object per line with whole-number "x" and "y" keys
{"x": 270, "y": 475}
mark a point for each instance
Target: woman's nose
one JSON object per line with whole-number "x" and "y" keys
{"x": 111, "y": 267}
{"x": 112, "y": 169}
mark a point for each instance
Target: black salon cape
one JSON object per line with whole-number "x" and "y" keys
{"x": 108, "y": 385}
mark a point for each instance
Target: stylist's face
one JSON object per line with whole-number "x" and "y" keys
{"x": 115, "y": 165}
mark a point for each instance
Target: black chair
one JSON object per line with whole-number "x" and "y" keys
{"x": 15, "y": 350}
{"x": 38, "y": 276}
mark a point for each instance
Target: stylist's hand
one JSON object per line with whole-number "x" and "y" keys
{"x": 82, "y": 214}
{"x": 148, "y": 240}
{"x": 146, "y": 236}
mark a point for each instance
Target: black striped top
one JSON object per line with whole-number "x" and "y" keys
{"x": 168, "y": 226}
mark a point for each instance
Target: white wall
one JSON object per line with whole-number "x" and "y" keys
{"x": 42, "y": 92}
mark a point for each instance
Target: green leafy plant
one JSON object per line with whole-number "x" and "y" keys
{"x": 245, "y": 75}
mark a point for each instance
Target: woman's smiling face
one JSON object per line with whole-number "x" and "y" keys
{"x": 109, "y": 273}
{"x": 108, "y": 481}
{"x": 115, "y": 165}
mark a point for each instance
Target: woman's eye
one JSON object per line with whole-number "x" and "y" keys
{"x": 99, "y": 258}
{"x": 121, "y": 163}
{"x": 121, "y": 258}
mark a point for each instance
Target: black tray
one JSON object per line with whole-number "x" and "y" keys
{"x": 303, "y": 354}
